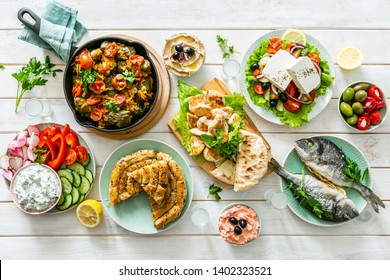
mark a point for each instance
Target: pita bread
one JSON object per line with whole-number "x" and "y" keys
{"x": 225, "y": 172}
{"x": 252, "y": 161}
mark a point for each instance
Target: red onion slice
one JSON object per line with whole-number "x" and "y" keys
{"x": 318, "y": 68}
{"x": 274, "y": 89}
{"x": 300, "y": 101}
{"x": 259, "y": 77}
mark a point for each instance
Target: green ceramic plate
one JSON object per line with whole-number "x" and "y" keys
{"x": 293, "y": 164}
{"x": 135, "y": 213}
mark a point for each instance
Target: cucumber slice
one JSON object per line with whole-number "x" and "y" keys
{"x": 85, "y": 185}
{"x": 67, "y": 174}
{"x": 75, "y": 195}
{"x": 264, "y": 60}
{"x": 85, "y": 163}
{"x": 66, "y": 204}
{"x": 62, "y": 199}
{"x": 81, "y": 199}
{"x": 267, "y": 94}
{"x": 279, "y": 106}
{"x": 66, "y": 185}
{"x": 89, "y": 175}
{"x": 264, "y": 80}
{"x": 62, "y": 166}
{"x": 77, "y": 179}
{"x": 78, "y": 167}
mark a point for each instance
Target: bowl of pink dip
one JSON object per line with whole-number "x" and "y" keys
{"x": 239, "y": 224}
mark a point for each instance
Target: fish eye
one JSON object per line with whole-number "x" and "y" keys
{"x": 310, "y": 144}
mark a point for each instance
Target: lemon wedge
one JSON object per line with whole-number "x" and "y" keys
{"x": 90, "y": 213}
{"x": 350, "y": 58}
{"x": 295, "y": 36}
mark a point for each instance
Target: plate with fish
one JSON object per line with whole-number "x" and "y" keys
{"x": 336, "y": 198}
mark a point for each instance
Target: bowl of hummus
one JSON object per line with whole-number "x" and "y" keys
{"x": 183, "y": 54}
{"x": 239, "y": 224}
{"x": 35, "y": 188}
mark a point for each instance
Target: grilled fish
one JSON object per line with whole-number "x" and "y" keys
{"x": 341, "y": 208}
{"x": 325, "y": 158}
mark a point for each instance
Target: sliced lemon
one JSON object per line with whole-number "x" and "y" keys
{"x": 350, "y": 58}
{"x": 90, "y": 213}
{"x": 295, "y": 36}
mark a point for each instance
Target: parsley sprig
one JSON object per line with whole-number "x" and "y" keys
{"x": 214, "y": 190}
{"x": 31, "y": 75}
{"x": 227, "y": 50}
{"x": 41, "y": 155}
{"x": 2, "y": 67}
{"x": 111, "y": 105}
{"x": 227, "y": 149}
{"x": 353, "y": 172}
{"x": 87, "y": 77}
{"x": 307, "y": 201}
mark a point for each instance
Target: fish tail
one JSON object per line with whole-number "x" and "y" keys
{"x": 278, "y": 169}
{"x": 370, "y": 196}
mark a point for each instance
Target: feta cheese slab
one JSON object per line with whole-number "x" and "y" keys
{"x": 304, "y": 74}
{"x": 275, "y": 69}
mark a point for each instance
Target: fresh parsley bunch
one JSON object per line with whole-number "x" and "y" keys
{"x": 214, "y": 190}
{"x": 226, "y": 49}
{"x": 353, "y": 172}
{"x": 31, "y": 75}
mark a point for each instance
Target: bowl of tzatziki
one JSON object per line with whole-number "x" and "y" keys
{"x": 35, "y": 188}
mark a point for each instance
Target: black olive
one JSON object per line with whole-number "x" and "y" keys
{"x": 254, "y": 66}
{"x": 190, "y": 51}
{"x": 273, "y": 102}
{"x": 179, "y": 48}
{"x": 237, "y": 230}
{"x": 176, "y": 55}
{"x": 283, "y": 97}
{"x": 322, "y": 69}
{"x": 233, "y": 221}
{"x": 243, "y": 223}
{"x": 265, "y": 86}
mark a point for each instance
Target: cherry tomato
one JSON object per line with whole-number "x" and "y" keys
{"x": 274, "y": 45}
{"x": 312, "y": 95}
{"x": 84, "y": 59}
{"x": 363, "y": 123}
{"x": 72, "y": 140}
{"x": 138, "y": 77}
{"x": 369, "y": 104}
{"x": 258, "y": 88}
{"x": 104, "y": 68}
{"x": 93, "y": 100}
{"x": 119, "y": 83}
{"x": 71, "y": 157}
{"x": 77, "y": 90}
{"x": 97, "y": 87}
{"x": 82, "y": 154}
{"x": 120, "y": 98}
{"x": 314, "y": 57}
{"x": 376, "y": 93}
{"x": 96, "y": 114}
{"x": 136, "y": 59}
{"x": 291, "y": 89}
{"x": 111, "y": 50}
{"x": 375, "y": 117}
{"x": 292, "y": 106}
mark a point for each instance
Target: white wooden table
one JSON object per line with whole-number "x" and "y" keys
{"x": 284, "y": 236}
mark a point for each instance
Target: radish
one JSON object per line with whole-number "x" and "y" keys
{"x": 16, "y": 163}
{"x": 27, "y": 162}
{"x": 30, "y": 154}
{"x": 31, "y": 129}
{"x": 21, "y": 140}
{"x": 7, "y": 174}
{"x": 14, "y": 150}
{"x": 33, "y": 140}
{"x": 4, "y": 161}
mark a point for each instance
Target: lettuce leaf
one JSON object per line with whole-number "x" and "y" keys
{"x": 285, "y": 116}
{"x": 237, "y": 102}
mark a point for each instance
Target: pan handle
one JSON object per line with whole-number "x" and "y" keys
{"x": 36, "y": 26}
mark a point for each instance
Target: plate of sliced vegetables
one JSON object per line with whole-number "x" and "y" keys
{"x": 262, "y": 89}
{"x": 62, "y": 149}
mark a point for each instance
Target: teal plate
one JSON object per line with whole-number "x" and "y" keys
{"x": 135, "y": 214}
{"x": 293, "y": 164}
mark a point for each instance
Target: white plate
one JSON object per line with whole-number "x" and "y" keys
{"x": 266, "y": 112}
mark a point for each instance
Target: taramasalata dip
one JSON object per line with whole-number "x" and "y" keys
{"x": 239, "y": 225}
{"x": 36, "y": 188}
{"x": 183, "y": 54}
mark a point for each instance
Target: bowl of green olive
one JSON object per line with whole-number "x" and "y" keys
{"x": 362, "y": 106}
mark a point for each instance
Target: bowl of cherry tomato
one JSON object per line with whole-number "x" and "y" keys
{"x": 362, "y": 106}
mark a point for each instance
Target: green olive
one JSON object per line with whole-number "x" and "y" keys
{"x": 346, "y": 109}
{"x": 348, "y": 94}
{"x": 357, "y": 108}
{"x": 360, "y": 95}
{"x": 361, "y": 86}
{"x": 352, "y": 120}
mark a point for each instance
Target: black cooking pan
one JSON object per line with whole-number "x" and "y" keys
{"x": 68, "y": 75}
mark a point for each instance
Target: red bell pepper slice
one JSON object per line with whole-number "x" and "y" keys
{"x": 46, "y": 141}
{"x": 375, "y": 93}
{"x": 66, "y": 129}
{"x": 72, "y": 140}
{"x": 56, "y": 162}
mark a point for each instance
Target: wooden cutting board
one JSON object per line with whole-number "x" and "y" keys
{"x": 218, "y": 85}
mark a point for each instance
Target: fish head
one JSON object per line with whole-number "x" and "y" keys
{"x": 346, "y": 210}
{"x": 308, "y": 149}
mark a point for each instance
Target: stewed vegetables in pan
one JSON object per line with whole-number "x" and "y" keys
{"x": 112, "y": 85}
